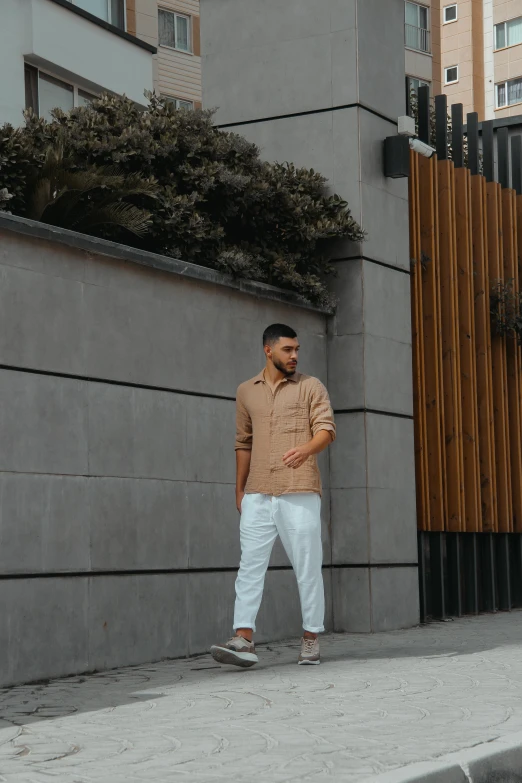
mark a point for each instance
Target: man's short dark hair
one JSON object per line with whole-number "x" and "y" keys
{"x": 273, "y": 334}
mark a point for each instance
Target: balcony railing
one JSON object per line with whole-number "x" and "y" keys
{"x": 417, "y": 38}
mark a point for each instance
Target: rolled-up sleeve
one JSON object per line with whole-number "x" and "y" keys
{"x": 243, "y": 424}
{"x": 321, "y": 413}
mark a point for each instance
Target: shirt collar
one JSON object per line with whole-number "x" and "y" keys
{"x": 261, "y": 378}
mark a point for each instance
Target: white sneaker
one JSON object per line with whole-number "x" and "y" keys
{"x": 237, "y": 651}
{"x": 309, "y": 652}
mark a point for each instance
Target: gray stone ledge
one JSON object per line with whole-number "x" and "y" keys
{"x": 103, "y": 247}
{"x": 498, "y": 761}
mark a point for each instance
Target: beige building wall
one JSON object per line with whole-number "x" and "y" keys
{"x": 507, "y": 62}
{"x": 462, "y": 45}
{"x": 489, "y": 62}
{"x": 177, "y": 74}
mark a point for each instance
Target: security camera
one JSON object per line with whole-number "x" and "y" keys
{"x": 423, "y": 149}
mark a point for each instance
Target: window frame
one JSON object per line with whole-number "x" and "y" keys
{"x": 426, "y": 30}
{"x": 76, "y": 89}
{"x": 419, "y": 6}
{"x": 508, "y": 45}
{"x": 453, "y": 81}
{"x": 109, "y": 13}
{"x": 422, "y": 83}
{"x": 505, "y": 84}
{"x": 176, "y": 101}
{"x": 450, "y": 21}
{"x": 177, "y": 14}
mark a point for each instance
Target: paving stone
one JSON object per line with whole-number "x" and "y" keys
{"x": 376, "y": 704}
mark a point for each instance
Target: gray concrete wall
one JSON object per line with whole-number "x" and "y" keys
{"x": 118, "y": 530}
{"x": 321, "y": 83}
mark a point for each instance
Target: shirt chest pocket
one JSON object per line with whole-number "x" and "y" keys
{"x": 295, "y": 417}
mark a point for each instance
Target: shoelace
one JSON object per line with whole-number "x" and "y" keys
{"x": 309, "y": 645}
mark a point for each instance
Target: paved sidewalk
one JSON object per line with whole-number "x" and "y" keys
{"x": 375, "y": 704}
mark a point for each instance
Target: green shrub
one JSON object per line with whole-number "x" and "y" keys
{"x": 208, "y": 196}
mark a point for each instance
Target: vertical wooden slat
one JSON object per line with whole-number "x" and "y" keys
{"x": 450, "y": 347}
{"x": 510, "y": 272}
{"x": 432, "y": 343}
{"x": 482, "y": 288}
{"x": 517, "y": 523}
{"x": 419, "y": 373}
{"x": 499, "y": 373}
{"x": 468, "y": 375}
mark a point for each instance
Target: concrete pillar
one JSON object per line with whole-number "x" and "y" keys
{"x": 321, "y": 83}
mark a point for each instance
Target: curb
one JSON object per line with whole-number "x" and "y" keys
{"x": 498, "y": 761}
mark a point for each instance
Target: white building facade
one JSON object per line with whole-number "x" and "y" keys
{"x": 54, "y": 53}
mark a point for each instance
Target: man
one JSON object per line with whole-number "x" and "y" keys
{"x": 284, "y": 419}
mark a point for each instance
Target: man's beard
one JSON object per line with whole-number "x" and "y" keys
{"x": 283, "y": 368}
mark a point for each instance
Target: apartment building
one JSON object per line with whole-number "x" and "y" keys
{"x": 62, "y": 53}
{"x": 172, "y": 27}
{"x": 471, "y": 50}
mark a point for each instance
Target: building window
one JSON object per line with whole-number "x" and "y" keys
{"x": 417, "y": 34}
{"x": 509, "y": 93}
{"x": 412, "y": 90}
{"x": 174, "y": 30}
{"x": 451, "y": 74}
{"x": 450, "y": 13}
{"x": 508, "y": 33}
{"x": 179, "y": 103}
{"x": 44, "y": 92}
{"x": 111, "y": 11}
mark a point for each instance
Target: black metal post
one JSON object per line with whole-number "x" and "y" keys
{"x": 503, "y": 156}
{"x": 424, "y": 115}
{"x": 457, "y": 139}
{"x": 473, "y": 143}
{"x": 437, "y": 557}
{"x": 423, "y": 550}
{"x": 455, "y": 574}
{"x": 471, "y": 562}
{"x": 515, "y": 547}
{"x": 487, "y": 573}
{"x": 516, "y": 164}
{"x": 488, "y": 153}
{"x": 503, "y": 566}
{"x": 441, "y": 126}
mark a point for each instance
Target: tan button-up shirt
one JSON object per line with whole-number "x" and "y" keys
{"x": 270, "y": 423}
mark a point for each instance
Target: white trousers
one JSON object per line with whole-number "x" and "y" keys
{"x": 296, "y": 518}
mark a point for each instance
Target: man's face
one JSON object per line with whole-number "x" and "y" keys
{"x": 284, "y": 354}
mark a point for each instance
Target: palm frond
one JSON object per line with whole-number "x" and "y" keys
{"x": 86, "y": 199}
{"x": 122, "y": 215}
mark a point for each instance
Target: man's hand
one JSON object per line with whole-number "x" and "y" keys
{"x": 296, "y": 457}
{"x": 239, "y": 499}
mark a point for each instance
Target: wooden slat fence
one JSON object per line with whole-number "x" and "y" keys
{"x": 465, "y": 238}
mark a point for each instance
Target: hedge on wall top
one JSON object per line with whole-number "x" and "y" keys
{"x": 205, "y": 195}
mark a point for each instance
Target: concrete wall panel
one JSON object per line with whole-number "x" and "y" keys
{"x": 349, "y": 520}
{"x": 44, "y": 523}
{"x": 394, "y": 598}
{"x": 136, "y": 618}
{"x": 351, "y": 600}
{"x": 348, "y": 453}
{"x": 43, "y": 628}
{"x": 43, "y": 424}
